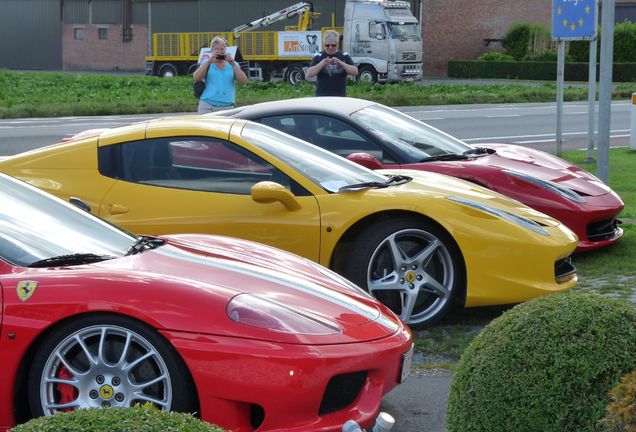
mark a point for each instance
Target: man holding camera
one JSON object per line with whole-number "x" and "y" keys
{"x": 331, "y": 67}
{"x": 220, "y": 72}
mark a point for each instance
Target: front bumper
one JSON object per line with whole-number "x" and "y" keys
{"x": 247, "y": 385}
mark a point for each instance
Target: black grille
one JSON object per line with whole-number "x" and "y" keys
{"x": 602, "y": 230}
{"x": 409, "y": 55}
{"x": 341, "y": 391}
{"x": 563, "y": 268}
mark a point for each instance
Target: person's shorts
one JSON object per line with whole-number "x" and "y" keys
{"x": 205, "y": 107}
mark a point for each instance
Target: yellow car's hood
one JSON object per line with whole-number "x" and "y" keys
{"x": 443, "y": 186}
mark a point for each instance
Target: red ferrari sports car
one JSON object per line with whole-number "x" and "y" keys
{"x": 377, "y": 137}
{"x": 247, "y": 336}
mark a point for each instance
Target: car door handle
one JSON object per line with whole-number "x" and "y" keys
{"x": 118, "y": 209}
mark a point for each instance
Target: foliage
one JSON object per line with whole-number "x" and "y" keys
{"x": 524, "y": 38}
{"x": 495, "y": 56}
{"x": 144, "y": 418}
{"x": 545, "y": 365}
{"x": 625, "y": 42}
{"x": 545, "y": 56}
{"x": 621, "y": 412}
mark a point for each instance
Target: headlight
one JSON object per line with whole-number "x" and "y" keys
{"x": 339, "y": 279}
{"x": 267, "y": 314}
{"x": 553, "y": 187}
{"x": 519, "y": 220}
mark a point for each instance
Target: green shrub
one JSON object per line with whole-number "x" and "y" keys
{"x": 137, "y": 419}
{"x": 621, "y": 412}
{"x": 524, "y": 38}
{"x": 545, "y": 56}
{"x": 544, "y": 366}
{"x": 625, "y": 42}
{"x": 495, "y": 56}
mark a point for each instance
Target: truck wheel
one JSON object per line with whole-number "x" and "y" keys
{"x": 167, "y": 70}
{"x": 193, "y": 67}
{"x": 294, "y": 74}
{"x": 368, "y": 74}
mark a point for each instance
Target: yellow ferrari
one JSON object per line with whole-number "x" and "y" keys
{"x": 417, "y": 241}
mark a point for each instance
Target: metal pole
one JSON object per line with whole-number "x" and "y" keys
{"x": 605, "y": 92}
{"x": 591, "y": 95}
{"x": 559, "y": 113}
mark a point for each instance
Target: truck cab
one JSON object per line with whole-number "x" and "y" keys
{"x": 384, "y": 39}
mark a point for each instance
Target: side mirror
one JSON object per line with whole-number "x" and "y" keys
{"x": 366, "y": 160}
{"x": 268, "y": 192}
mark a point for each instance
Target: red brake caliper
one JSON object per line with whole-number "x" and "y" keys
{"x": 67, "y": 392}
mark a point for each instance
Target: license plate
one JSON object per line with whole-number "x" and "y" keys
{"x": 407, "y": 359}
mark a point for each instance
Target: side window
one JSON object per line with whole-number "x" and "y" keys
{"x": 197, "y": 163}
{"x": 377, "y": 30}
{"x": 329, "y": 133}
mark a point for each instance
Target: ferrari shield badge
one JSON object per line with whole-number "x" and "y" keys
{"x": 26, "y": 289}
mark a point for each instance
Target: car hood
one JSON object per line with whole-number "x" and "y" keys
{"x": 435, "y": 185}
{"x": 209, "y": 271}
{"x": 541, "y": 165}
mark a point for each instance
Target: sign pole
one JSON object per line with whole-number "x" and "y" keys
{"x": 591, "y": 97}
{"x": 605, "y": 90}
{"x": 560, "y": 84}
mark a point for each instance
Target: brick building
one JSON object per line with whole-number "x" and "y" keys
{"x": 115, "y": 34}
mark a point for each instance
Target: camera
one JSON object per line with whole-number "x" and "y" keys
{"x": 220, "y": 57}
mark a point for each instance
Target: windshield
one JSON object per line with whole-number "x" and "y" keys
{"x": 415, "y": 140}
{"x": 35, "y": 226}
{"x": 403, "y": 31}
{"x": 320, "y": 166}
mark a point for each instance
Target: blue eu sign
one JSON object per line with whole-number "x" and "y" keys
{"x": 573, "y": 19}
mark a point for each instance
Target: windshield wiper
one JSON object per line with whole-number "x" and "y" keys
{"x": 391, "y": 181}
{"x": 445, "y": 157}
{"x": 144, "y": 243}
{"x": 478, "y": 151}
{"x": 365, "y": 185}
{"x": 70, "y": 260}
{"x": 396, "y": 179}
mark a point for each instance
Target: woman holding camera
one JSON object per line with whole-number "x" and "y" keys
{"x": 331, "y": 67}
{"x": 220, "y": 73}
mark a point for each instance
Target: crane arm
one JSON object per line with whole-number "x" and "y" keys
{"x": 288, "y": 12}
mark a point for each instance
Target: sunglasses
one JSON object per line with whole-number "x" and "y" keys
{"x": 331, "y": 45}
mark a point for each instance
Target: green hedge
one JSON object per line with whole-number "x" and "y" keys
{"x": 621, "y": 72}
{"x": 137, "y": 419}
{"x": 547, "y": 365}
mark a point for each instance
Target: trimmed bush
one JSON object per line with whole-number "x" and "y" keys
{"x": 544, "y": 366}
{"x": 621, "y": 413}
{"x": 495, "y": 56}
{"x": 137, "y": 419}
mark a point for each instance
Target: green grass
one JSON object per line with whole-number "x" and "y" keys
{"x": 47, "y": 94}
{"x": 609, "y": 271}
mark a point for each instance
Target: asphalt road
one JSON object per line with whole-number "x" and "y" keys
{"x": 531, "y": 125}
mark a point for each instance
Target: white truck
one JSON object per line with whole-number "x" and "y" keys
{"x": 384, "y": 39}
{"x": 382, "y": 36}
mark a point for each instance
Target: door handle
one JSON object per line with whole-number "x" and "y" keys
{"x": 118, "y": 209}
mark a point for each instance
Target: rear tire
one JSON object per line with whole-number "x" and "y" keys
{"x": 84, "y": 363}
{"x": 294, "y": 74}
{"x": 412, "y": 266}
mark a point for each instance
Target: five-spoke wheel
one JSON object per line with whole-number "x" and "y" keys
{"x": 413, "y": 267}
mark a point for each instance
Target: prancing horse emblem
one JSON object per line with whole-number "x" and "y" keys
{"x": 26, "y": 289}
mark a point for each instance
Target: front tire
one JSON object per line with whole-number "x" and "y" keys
{"x": 367, "y": 74}
{"x": 167, "y": 70}
{"x": 414, "y": 267}
{"x": 107, "y": 360}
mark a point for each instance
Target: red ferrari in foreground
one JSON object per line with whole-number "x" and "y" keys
{"x": 250, "y": 337}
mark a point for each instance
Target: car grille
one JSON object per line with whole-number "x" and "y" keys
{"x": 341, "y": 391}
{"x": 602, "y": 230}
